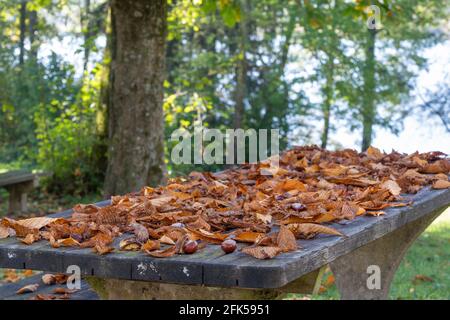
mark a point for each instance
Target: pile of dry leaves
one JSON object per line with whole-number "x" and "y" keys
{"x": 310, "y": 187}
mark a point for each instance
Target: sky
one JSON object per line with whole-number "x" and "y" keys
{"x": 420, "y": 133}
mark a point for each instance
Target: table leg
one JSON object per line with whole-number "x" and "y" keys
{"x": 367, "y": 272}
{"x": 113, "y": 289}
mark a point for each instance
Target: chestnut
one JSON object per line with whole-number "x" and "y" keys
{"x": 228, "y": 246}
{"x": 190, "y": 247}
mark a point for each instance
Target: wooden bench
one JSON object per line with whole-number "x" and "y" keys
{"x": 8, "y": 290}
{"x": 210, "y": 274}
{"x": 18, "y": 183}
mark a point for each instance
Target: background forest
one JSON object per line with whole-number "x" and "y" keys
{"x": 306, "y": 67}
{"x": 310, "y": 68}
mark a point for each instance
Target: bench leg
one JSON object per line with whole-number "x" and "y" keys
{"x": 24, "y": 202}
{"x": 367, "y": 272}
{"x": 14, "y": 200}
{"x": 18, "y": 197}
{"x": 113, "y": 289}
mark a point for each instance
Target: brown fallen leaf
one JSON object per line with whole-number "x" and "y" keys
{"x": 62, "y": 290}
{"x": 41, "y": 296}
{"x": 20, "y": 229}
{"x": 27, "y": 273}
{"x": 440, "y": 166}
{"x": 102, "y": 248}
{"x": 200, "y": 223}
{"x": 440, "y": 176}
{"x": 248, "y": 236}
{"x": 159, "y": 202}
{"x": 262, "y": 252}
{"x": 140, "y": 231}
{"x": 268, "y": 240}
{"x": 374, "y": 153}
{"x": 26, "y": 226}
{"x": 266, "y": 218}
{"x": 308, "y": 230}
{"x": 375, "y": 213}
{"x": 329, "y": 281}
{"x": 48, "y": 279}
{"x": 293, "y": 184}
{"x": 30, "y": 238}
{"x": 392, "y": 186}
{"x": 286, "y": 239}
{"x": 180, "y": 195}
{"x": 166, "y": 240}
{"x": 68, "y": 242}
{"x": 130, "y": 244}
{"x": 322, "y": 218}
{"x": 10, "y": 275}
{"x": 295, "y": 219}
{"x": 151, "y": 245}
{"x": 359, "y": 182}
{"x": 27, "y": 289}
{"x": 348, "y": 211}
{"x": 323, "y": 289}
{"x": 61, "y": 278}
{"x": 441, "y": 184}
{"x": 4, "y": 232}
{"x": 164, "y": 253}
{"x": 37, "y": 222}
{"x": 422, "y": 278}
{"x": 213, "y": 237}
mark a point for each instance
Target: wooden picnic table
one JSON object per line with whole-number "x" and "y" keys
{"x": 18, "y": 183}
{"x": 210, "y": 274}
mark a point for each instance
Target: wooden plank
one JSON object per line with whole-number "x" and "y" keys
{"x": 16, "y": 177}
{"x": 13, "y": 173}
{"x": 213, "y": 268}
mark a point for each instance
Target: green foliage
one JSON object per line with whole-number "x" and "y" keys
{"x": 68, "y": 137}
{"x": 50, "y": 117}
{"x": 297, "y": 66}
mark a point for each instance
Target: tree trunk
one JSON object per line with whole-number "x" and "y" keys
{"x": 326, "y": 109}
{"x": 329, "y": 78}
{"x": 33, "y": 20}
{"x": 86, "y": 26}
{"x": 241, "y": 70}
{"x": 368, "y": 106}
{"x": 22, "y": 27}
{"x": 136, "y": 129}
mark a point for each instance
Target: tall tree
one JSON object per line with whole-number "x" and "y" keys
{"x": 368, "y": 101}
{"x": 241, "y": 68}
{"x": 22, "y": 30}
{"x": 136, "y": 140}
{"x": 32, "y": 29}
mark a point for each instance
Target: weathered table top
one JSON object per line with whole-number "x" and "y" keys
{"x": 15, "y": 177}
{"x": 210, "y": 266}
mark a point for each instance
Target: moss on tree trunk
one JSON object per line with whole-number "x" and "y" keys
{"x": 136, "y": 129}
